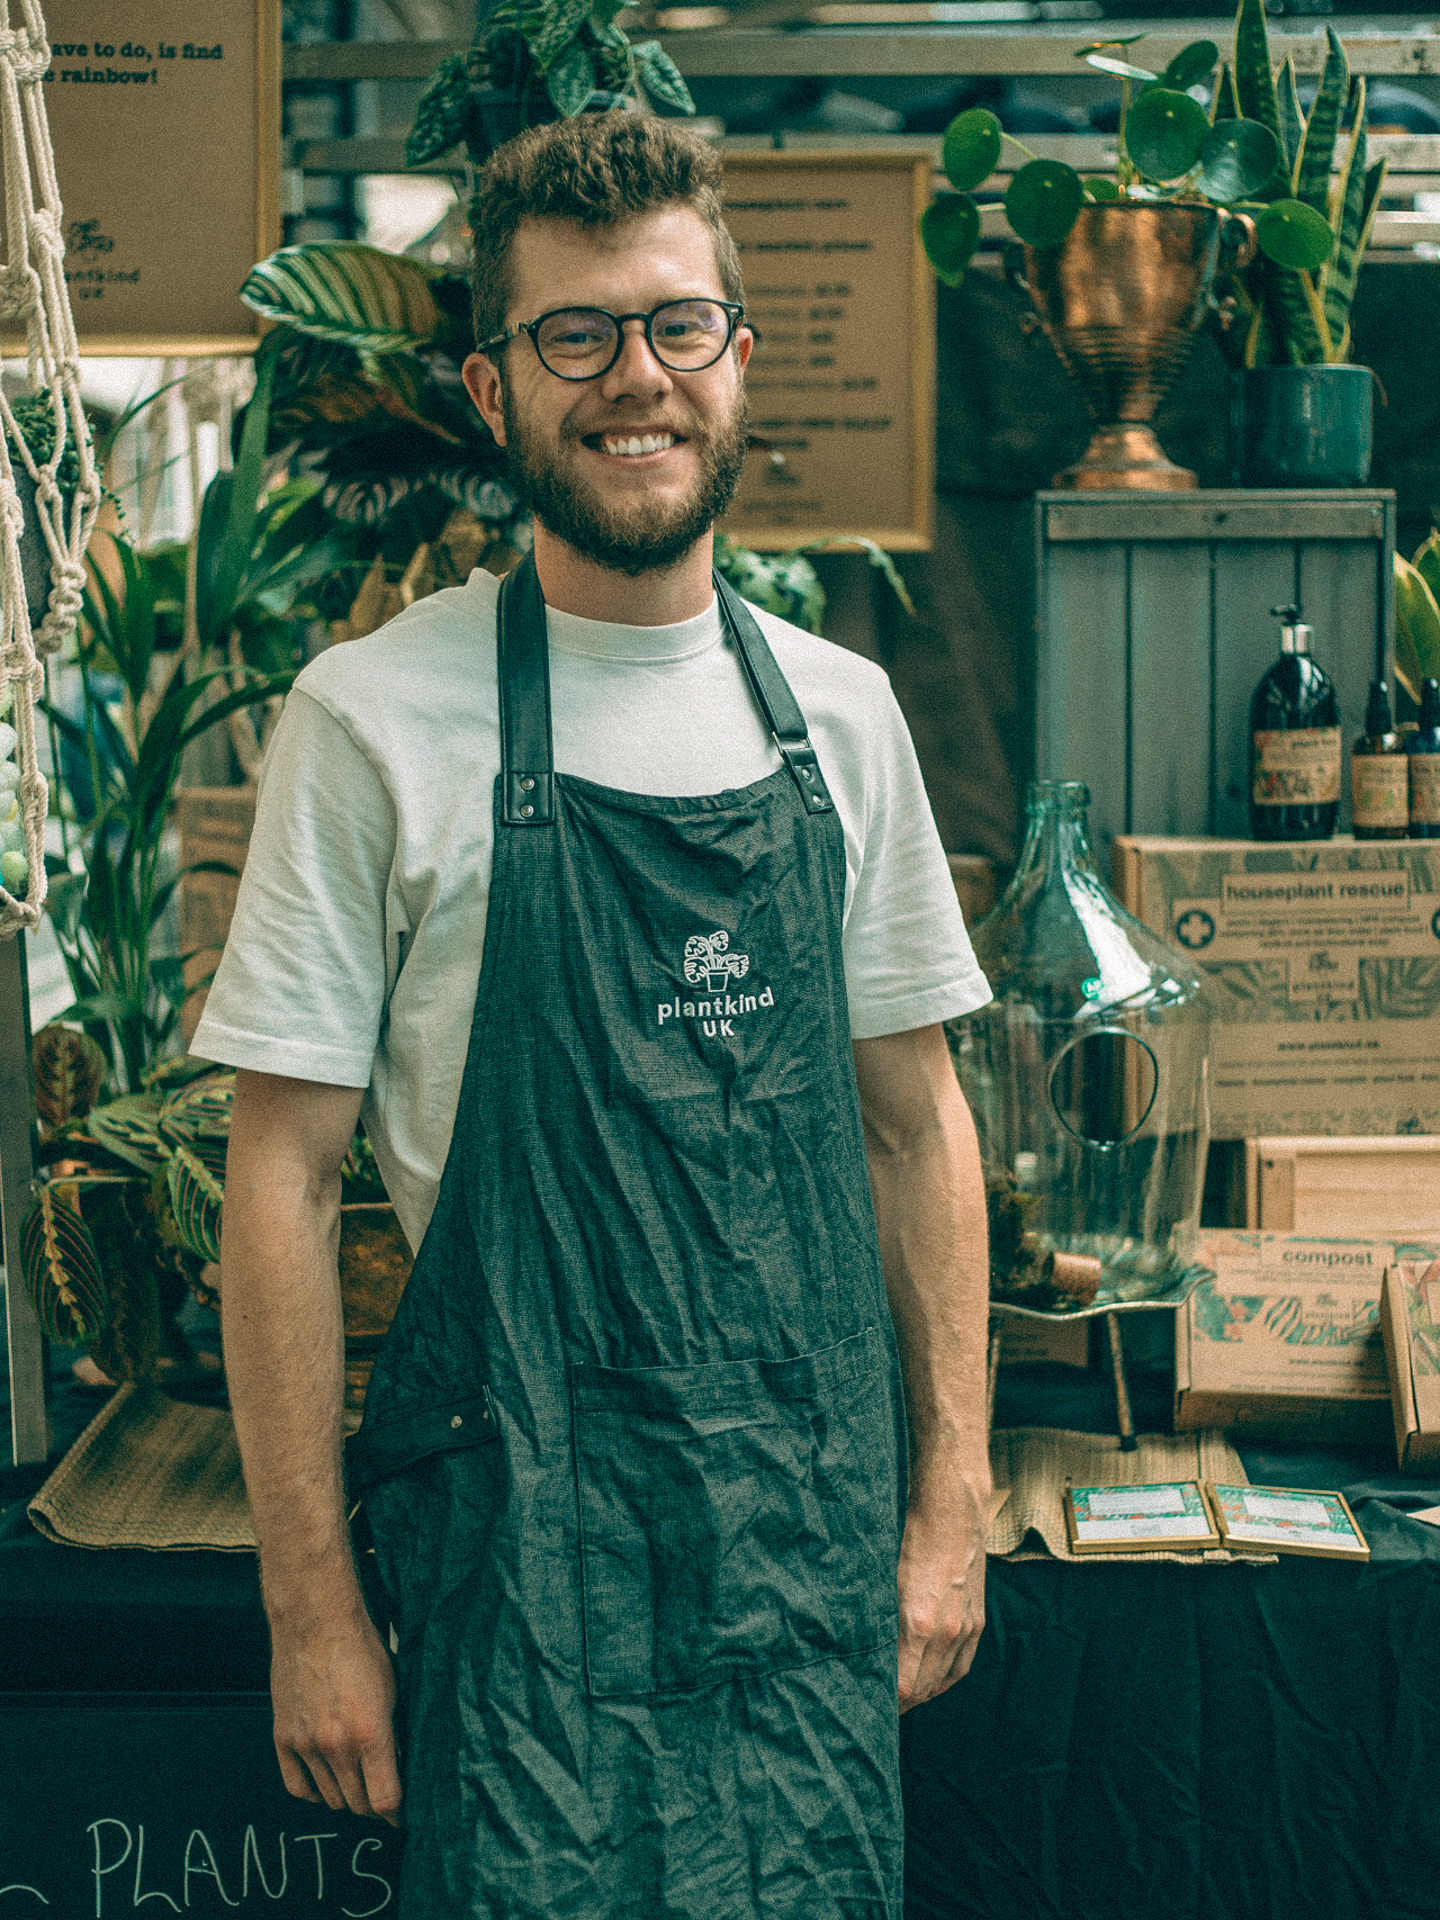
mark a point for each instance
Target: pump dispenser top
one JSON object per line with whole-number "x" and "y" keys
{"x": 1294, "y": 634}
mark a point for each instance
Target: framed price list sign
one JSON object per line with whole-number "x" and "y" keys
{"x": 841, "y": 385}
{"x": 165, "y": 119}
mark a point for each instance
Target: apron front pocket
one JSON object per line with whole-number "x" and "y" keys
{"x": 734, "y": 1519}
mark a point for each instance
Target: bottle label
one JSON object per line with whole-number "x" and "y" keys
{"x": 1380, "y": 789}
{"x": 1425, "y": 789}
{"x": 1297, "y": 769}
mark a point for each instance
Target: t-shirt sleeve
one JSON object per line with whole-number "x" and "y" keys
{"x": 301, "y": 987}
{"x": 908, "y": 958}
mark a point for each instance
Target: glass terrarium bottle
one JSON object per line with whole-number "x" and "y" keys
{"x": 1087, "y": 1076}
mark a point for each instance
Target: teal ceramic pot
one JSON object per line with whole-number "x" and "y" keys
{"x": 1306, "y": 426}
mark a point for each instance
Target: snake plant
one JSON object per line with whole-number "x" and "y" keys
{"x": 1293, "y": 302}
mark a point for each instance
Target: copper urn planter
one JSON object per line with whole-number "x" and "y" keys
{"x": 1120, "y": 300}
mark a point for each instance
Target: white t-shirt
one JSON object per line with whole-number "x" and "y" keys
{"x": 355, "y": 950}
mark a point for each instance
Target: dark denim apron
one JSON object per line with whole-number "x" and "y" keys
{"x": 632, "y": 1453}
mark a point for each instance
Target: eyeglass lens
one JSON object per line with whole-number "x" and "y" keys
{"x": 685, "y": 336}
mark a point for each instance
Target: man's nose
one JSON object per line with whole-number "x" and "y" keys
{"x": 635, "y": 368}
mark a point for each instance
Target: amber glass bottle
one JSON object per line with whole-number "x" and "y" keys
{"x": 1295, "y": 743}
{"x": 1423, "y": 749}
{"x": 1379, "y": 774}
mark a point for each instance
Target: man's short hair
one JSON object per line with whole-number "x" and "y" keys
{"x": 597, "y": 169}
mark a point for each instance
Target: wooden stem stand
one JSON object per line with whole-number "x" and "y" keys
{"x": 25, "y": 1341}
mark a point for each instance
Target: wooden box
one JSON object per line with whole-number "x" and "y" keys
{"x": 215, "y": 824}
{"x": 1153, "y": 626}
{"x": 1343, "y": 1187}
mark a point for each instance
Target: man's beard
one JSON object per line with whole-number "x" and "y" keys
{"x": 631, "y": 536}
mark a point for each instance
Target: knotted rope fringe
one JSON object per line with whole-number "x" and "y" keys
{"x": 32, "y": 290}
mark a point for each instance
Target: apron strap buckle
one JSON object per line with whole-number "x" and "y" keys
{"x": 527, "y": 800}
{"x": 799, "y": 756}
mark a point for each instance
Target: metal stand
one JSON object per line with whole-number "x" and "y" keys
{"x": 1123, "y": 1419}
{"x": 29, "y": 1435}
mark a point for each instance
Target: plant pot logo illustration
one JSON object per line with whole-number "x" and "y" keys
{"x": 710, "y": 963}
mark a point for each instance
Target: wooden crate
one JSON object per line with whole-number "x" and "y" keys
{"x": 1153, "y": 626}
{"x": 215, "y": 824}
{"x": 1343, "y": 1189}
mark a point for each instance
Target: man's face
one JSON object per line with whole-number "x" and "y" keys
{"x": 569, "y": 442}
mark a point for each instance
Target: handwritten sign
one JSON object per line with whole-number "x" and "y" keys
{"x": 165, "y": 118}
{"x": 841, "y": 385}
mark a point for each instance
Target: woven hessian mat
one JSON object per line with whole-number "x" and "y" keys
{"x": 1036, "y": 1464}
{"x": 149, "y": 1472}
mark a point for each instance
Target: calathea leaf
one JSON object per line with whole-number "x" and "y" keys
{"x": 197, "y": 1198}
{"x": 344, "y": 291}
{"x": 662, "y": 77}
{"x": 202, "y": 1108}
{"x": 69, "y": 1071}
{"x": 571, "y": 80}
{"x": 441, "y": 113}
{"x": 62, "y": 1267}
{"x": 130, "y": 1128}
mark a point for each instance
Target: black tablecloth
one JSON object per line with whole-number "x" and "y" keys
{"x": 1132, "y": 1742}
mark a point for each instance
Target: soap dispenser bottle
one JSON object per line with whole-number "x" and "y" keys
{"x": 1422, "y": 750}
{"x": 1379, "y": 774}
{"x": 1295, "y": 746}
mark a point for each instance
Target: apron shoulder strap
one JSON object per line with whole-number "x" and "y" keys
{"x": 527, "y": 758}
{"x": 774, "y": 698}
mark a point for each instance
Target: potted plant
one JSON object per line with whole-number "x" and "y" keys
{"x": 534, "y": 63}
{"x": 1119, "y": 270}
{"x": 1305, "y": 410}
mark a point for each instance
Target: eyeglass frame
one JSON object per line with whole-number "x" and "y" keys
{"x": 734, "y": 312}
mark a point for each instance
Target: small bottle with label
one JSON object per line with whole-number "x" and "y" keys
{"x": 1295, "y": 745}
{"x": 1422, "y": 749}
{"x": 1379, "y": 773}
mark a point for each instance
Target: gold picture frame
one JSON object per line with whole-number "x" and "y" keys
{"x": 841, "y": 384}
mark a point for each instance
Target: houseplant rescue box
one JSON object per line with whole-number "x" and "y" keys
{"x": 1324, "y": 959}
{"x": 1410, "y": 1323}
{"x": 1285, "y": 1339}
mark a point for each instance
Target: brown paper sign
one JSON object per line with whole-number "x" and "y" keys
{"x": 841, "y": 385}
{"x": 165, "y": 119}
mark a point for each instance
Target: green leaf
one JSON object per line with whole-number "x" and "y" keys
{"x": 1042, "y": 202}
{"x": 62, "y": 1268}
{"x": 571, "y": 80}
{"x": 441, "y": 113}
{"x": 972, "y": 147}
{"x": 203, "y": 1107}
{"x": 1191, "y": 66}
{"x": 1164, "y": 132}
{"x": 604, "y": 12}
{"x": 1292, "y": 117}
{"x": 1224, "y": 106}
{"x": 950, "y": 233}
{"x": 662, "y": 78}
{"x": 69, "y": 1072}
{"x": 345, "y": 291}
{"x": 1351, "y": 212}
{"x": 1426, "y": 561}
{"x": 1237, "y": 158}
{"x": 1254, "y": 81}
{"x": 197, "y": 1197}
{"x": 550, "y": 29}
{"x": 130, "y": 1127}
{"x": 1317, "y": 148}
{"x": 1102, "y": 46}
{"x": 1100, "y": 188}
{"x": 1417, "y": 628}
{"x": 1107, "y": 63}
{"x": 1294, "y": 235}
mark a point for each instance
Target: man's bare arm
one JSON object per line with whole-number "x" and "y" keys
{"x": 331, "y": 1678}
{"x": 930, "y": 1210}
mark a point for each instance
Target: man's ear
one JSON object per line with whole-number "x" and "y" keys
{"x": 744, "y": 345}
{"x": 483, "y": 383}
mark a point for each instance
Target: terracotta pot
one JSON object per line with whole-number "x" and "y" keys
{"x": 375, "y": 1263}
{"x": 1120, "y": 300}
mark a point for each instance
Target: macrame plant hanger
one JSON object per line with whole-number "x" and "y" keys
{"x": 32, "y": 297}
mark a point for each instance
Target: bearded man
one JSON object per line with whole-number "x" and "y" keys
{"x": 618, "y": 911}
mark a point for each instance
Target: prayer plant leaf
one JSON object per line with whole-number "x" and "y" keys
{"x": 62, "y": 1267}
{"x": 130, "y": 1128}
{"x": 197, "y": 1198}
{"x": 69, "y": 1073}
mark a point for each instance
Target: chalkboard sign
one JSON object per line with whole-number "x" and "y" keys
{"x": 165, "y": 119}
{"x": 841, "y": 385}
{"x": 171, "y": 1803}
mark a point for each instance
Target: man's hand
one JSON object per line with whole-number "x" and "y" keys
{"x": 334, "y": 1697}
{"x": 285, "y": 1361}
{"x": 942, "y": 1589}
{"x": 930, "y": 1211}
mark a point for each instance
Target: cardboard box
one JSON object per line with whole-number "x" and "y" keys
{"x": 215, "y": 824}
{"x": 1410, "y": 1324}
{"x": 1286, "y": 1339}
{"x": 1062, "y": 1342}
{"x": 1343, "y": 1187}
{"x": 1325, "y": 961}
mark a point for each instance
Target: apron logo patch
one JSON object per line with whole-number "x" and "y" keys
{"x": 711, "y": 967}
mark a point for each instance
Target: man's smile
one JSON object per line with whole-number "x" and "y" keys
{"x": 633, "y": 446}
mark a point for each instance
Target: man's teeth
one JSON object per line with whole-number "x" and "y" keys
{"x": 638, "y": 443}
